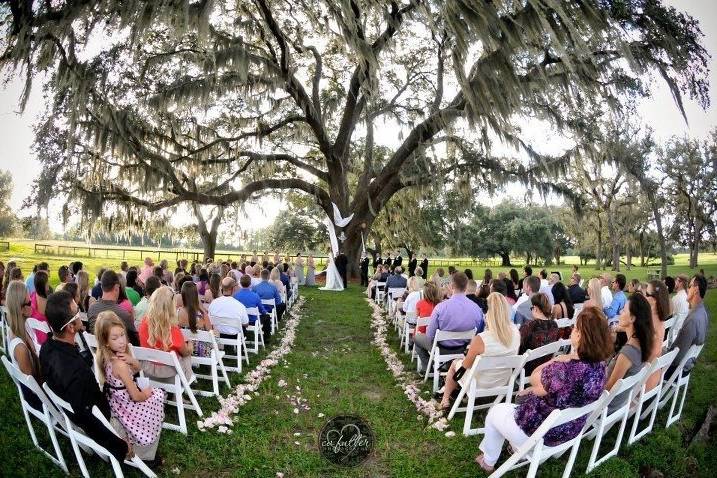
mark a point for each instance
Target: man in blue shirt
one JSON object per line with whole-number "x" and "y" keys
{"x": 266, "y": 290}
{"x": 618, "y": 298}
{"x": 249, "y": 299}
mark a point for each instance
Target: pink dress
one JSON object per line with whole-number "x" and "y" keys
{"x": 127, "y": 305}
{"x": 141, "y": 420}
{"x": 36, "y": 314}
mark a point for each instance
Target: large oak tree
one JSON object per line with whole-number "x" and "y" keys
{"x": 213, "y": 102}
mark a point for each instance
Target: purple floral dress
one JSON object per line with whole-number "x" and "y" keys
{"x": 569, "y": 384}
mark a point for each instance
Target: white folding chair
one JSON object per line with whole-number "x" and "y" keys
{"x": 213, "y": 361}
{"x": 534, "y": 451}
{"x": 393, "y": 293}
{"x": 563, "y": 323}
{"x": 177, "y": 385}
{"x": 437, "y": 358}
{"x": 606, "y": 420}
{"x": 3, "y": 330}
{"x": 678, "y": 383}
{"x": 274, "y": 319}
{"x": 257, "y": 331}
{"x": 547, "y": 350}
{"x": 420, "y": 322}
{"x": 78, "y": 439}
{"x": 669, "y": 324}
{"x": 660, "y": 365}
{"x": 380, "y": 292}
{"x": 49, "y": 416}
{"x": 407, "y": 329}
{"x": 238, "y": 342}
{"x": 576, "y": 309}
{"x": 511, "y": 364}
{"x": 37, "y": 326}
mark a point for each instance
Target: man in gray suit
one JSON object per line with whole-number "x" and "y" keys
{"x": 531, "y": 285}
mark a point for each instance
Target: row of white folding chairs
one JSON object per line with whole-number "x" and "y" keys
{"x": 53, "y": 416}
{"x": 380, "y": 295}
{"x": 640, "y": 403}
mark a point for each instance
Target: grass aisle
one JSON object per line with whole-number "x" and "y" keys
{"x": 338, "y": 371}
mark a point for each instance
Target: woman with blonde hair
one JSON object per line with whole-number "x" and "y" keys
{"x": 594, "y": 291}
{"x": 137, "y": 415}
{"x": 500, "y": 338}
{"x": 160, "y": 331}
{"x": 275, "y": 278}
{"x": 21, "y": 347}
{"x": 83, "y": 282}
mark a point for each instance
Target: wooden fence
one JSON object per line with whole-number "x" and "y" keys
{"x": 4, "y": 246}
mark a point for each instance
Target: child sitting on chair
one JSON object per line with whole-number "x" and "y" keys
{"x": 136, "y": 414}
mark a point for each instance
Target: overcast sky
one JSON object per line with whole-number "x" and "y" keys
{"x": 659, "y": 112}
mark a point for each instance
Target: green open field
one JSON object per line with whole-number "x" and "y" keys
{"x": 339, "y": 371}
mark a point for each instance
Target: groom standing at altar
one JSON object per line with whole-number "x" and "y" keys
{"x": 341, "y": 262}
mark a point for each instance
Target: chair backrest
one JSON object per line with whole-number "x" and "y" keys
{"x": 61, "y": 404}
{"x": 271, "y": 302}
{"x": 158, "y": 356}
{"x": 394, "y": 292}
{"x": 669, "y": 322}
{"x": 222, "y": 321}
{"x": 411, "y": 314}
{"x": 38, "y": 325}
{"x": 380, "y": 285}
{"x": 442, "y": 335}
{"x": 201, "y": 336}
{"x": 692, "y": 353}
{"x": 628, "y": 383}
{"x": 252, "y": 311}
{"x": 514, "y": 363}
{"x": 576, "y": 309}
{"x": 29, "y": 381}
{"x": 90, "y": 339}
{"x": 422, "y": 321}
{"x": 562, "y": 323}
{"x": 548, "y": 349}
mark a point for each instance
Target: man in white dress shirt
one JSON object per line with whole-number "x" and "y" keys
{"x": 680, "y": 306}
{"x": 228, "y": 306}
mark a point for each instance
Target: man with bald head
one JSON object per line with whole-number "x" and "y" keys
{"x": 227, "y": 306}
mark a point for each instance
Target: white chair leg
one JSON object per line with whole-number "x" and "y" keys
{"x": 215, "y": 378}
{"x": 180, "y": 412}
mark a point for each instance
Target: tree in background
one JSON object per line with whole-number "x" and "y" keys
{"x": 8, "y": 220}
{"x": 268, "y": 95}
{"x": 690, "y": 167}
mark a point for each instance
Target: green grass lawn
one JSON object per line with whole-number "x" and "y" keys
{"x": 339, "y": 371}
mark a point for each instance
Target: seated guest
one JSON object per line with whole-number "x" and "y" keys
{"x": 134, "y": 291}
{"x": 71, "y": 378}
{"x": 500, "y": 338}
{"x": 227, "y": 307}
{"x": 679, "y": 305}
{"x": 83, "y": 282}
{"x": 618, "y": 298}
{"x": 167, "y": 275}
{"x": 412, "y": 296}
{"x": 212, "y": 291}
{"x": 471, "y": 293}
{"x": 192, "y": 316}
{"x": 659, "y": 301}
{"x": 563, "y": 308}
{"x": 454, "y": 315}
{"x": 251, "y": 299}
{"x": 633, "y": 286}
{"x": 275, "y": 279}
{"x": 21, "y": 347}
{"x": 420, "y": 281}
{"x": 635, "y": 321}
{"x": 159, "y": 331}
{"x": 267, "y": 291}
{"x": 469, "y": 274}
{"x": 487, "y": 276}
{"x": 605, "y": 293}
{"x": 694, "y": 328}
{"x": 440, "y": 278}
{"x": 38, "y": 302}
{"x": 531, "y": 285}
{"x": 594, "y": 294}
{"x": 670, "y": 283}
{"x": 541, "y": 330}
{"x": 147, "y": 270}
{"x": 546, "y": 287}
{"x": 285, "y": 279}
{"x": 577, "y": 293}
{"x": 65, "y": 276}
{"x": 396, "y": 280}
{"x": 572, "y": 380}
{"x": 203, "y": 282}
{"x": 122, "y": 299}
{"x": 381, "y": 275}
{"x": 517, "y": 283}
{"x": 97, "y": 288}
{"x": 111, "y": 289}
{"x": 124, "y": 268}
{"x": 137, "y": 415}
{"x": 141, "y": 308}
{"x": 431, "y": 298}
{"x": 510, "y": 296}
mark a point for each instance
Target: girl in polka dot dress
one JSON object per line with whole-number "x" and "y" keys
{"x": 140, "y": 412}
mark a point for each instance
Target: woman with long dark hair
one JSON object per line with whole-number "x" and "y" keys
{"x": 563, "y": 308}
{"x": 659, "y": 301}
{"x": 514, "y": 279}
{"x": 635, "y": 321}
{"x": 193, "y": 317}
